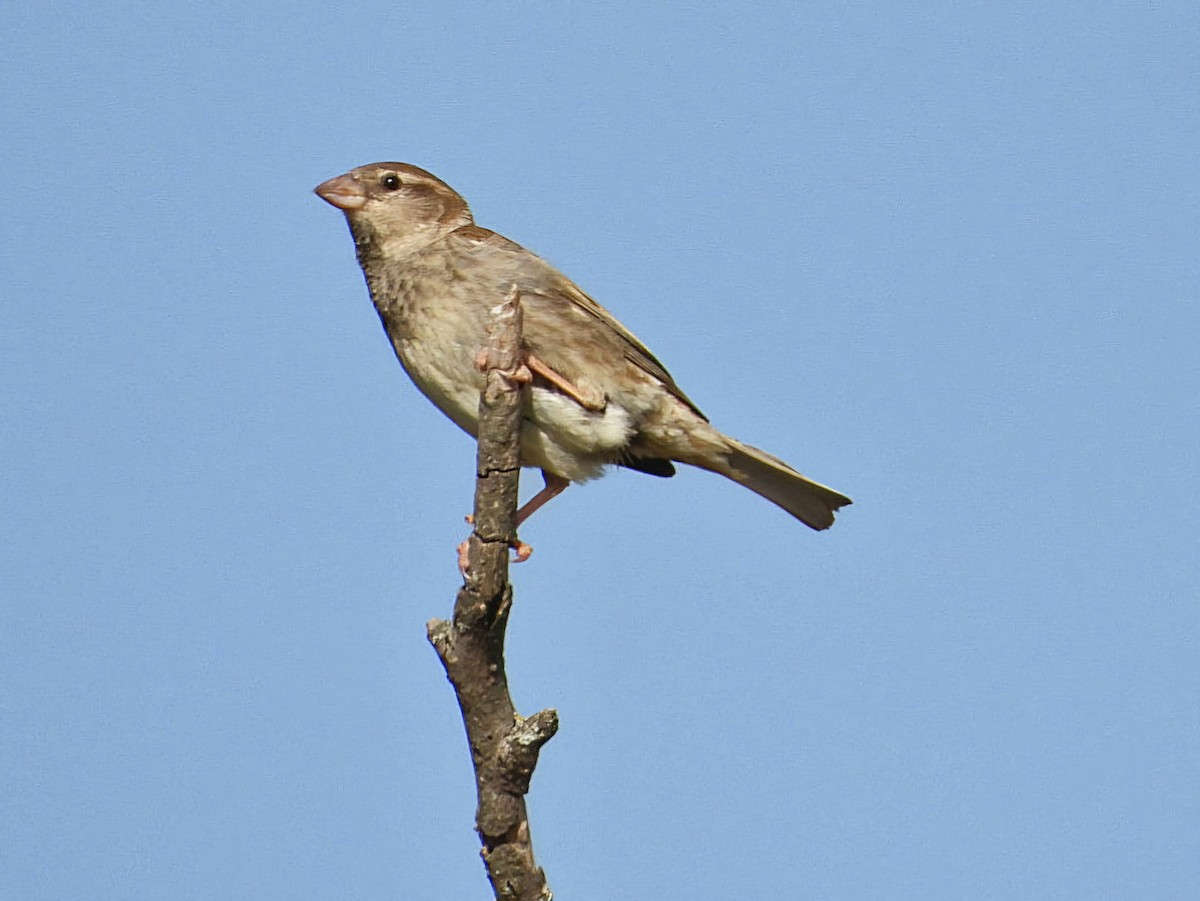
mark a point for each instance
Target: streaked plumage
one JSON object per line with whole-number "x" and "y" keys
{"x": 434, "y": 276}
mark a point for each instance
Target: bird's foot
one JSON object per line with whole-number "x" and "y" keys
{"x": 521, "y": 551}
{"x": 520, "y": 376}
{"x": 587, "y": 396}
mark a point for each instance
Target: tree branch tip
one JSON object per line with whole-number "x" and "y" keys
{"x": 509, "y": 305}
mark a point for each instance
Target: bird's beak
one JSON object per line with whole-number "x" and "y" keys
{"x": 344, "y": 192}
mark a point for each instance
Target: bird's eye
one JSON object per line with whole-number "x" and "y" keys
{"x": 390, "y": 181}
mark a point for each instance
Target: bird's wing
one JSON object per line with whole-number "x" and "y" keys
{"x": 554, "y": 284}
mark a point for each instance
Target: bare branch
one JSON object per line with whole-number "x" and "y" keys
{"x": 504, "y": 747}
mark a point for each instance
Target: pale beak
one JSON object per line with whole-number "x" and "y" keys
{"x": 344, "y": 192}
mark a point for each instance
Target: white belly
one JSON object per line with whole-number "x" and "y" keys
{"x": 558, "y": 434}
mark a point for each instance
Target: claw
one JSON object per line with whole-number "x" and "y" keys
{"x": 585, "y": 395}
{"x": 555, "y": 485}
{"x": 521, "y": 375}
{"x": 521, "y": 553}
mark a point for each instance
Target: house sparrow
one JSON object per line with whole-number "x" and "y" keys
{"x": 598, "y": 396}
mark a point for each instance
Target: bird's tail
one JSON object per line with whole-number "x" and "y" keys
{"x": 811, "y": 503}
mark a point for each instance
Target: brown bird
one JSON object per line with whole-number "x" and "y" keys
{"x": 598, "y": 396}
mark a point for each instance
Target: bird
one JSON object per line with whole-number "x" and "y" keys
{"x": 597, "y": 398}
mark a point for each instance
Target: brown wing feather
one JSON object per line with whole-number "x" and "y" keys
{"x": 563, "y": 288}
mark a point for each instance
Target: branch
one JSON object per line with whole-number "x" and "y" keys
{"x": 504, "y": 747}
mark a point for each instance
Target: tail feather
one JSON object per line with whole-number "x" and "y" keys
{"x": 811, "y": 503}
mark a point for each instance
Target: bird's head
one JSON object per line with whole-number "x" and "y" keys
{"x": 395, "y": 206}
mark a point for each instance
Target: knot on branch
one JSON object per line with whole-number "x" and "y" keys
{"x": 517, "y": 754}
{"x": 504, "y": 777}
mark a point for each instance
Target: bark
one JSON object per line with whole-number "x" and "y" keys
{"x": 504, "y": 746}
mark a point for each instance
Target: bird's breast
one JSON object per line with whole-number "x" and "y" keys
{"x": 443, "y": 368}
{"x": 436, "y": 317}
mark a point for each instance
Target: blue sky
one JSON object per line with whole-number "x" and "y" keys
{"x": 941, "y": 257}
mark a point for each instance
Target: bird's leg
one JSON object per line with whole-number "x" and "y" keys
{"x": 586, "y": 396}
{"x": 555, "y": 485}
{"x": 520, "y": 548}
